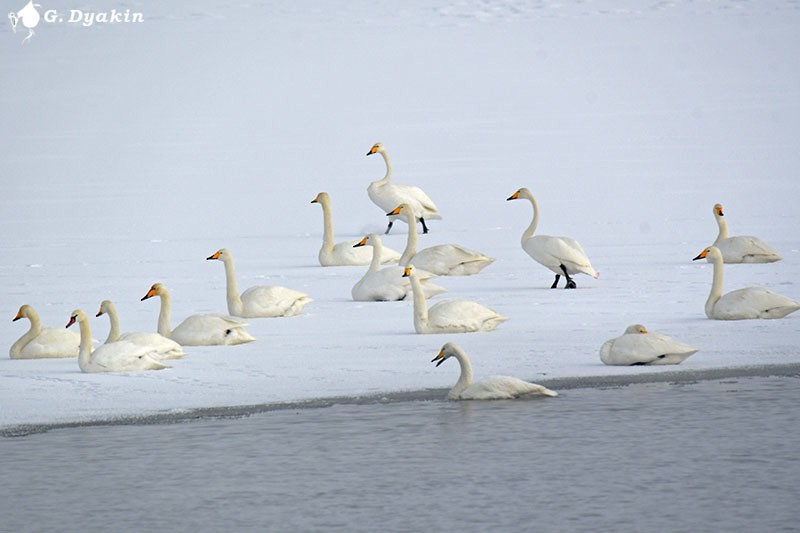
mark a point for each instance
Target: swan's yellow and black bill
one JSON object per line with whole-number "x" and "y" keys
{"x": 514, "y": 196}
{"x": 702, "y": 255}
{"x": 315, "y": 200}
{"x": 439, "y": 357}
{"x": 71, "y": 321}
{"x": 373, "y": 149}
{"x": 150, "y": 293}
{"x": 99, "y": 313}
{"x": 362, "y": 242}
{"x": 718, "y": 209}
{"x": 407, "y": 272}
{"x": 215, "y": 255}
{"x": 19, "y": 315}
{"x": 395, "y": 211}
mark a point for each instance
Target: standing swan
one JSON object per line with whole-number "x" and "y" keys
{"x": 43, "y": 343}
{"x": 198, "y": 330}
{"x": 265, "y": 301}
{"x": 388, "y": 195}
{"x": 386, "y": 284}
{"x": 343, "y": 253}
{"x": 750, "y": 302}
{"x": 449, "y": 316}
{"x": 120, "y": 356}
{"x": 741, "y": 248}
{"x": 441, "y": 259}
{"x": 491, "y": 388}
{"x": 637, "y": 346}
{"x": 562, "y": 255}
{"x": 165, "y": 348}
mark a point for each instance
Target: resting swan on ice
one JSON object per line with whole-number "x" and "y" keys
{"x": 741, "y": 248}
{"x": 491, "y": 388}
{"x": 388, "y": 195}
{"x": 119, "y": 356}
{"x": 750, "y": 302}
{"x": 165, "y": 348}
{"x": 43, "y": 343}
{"x": 441, "y": 259}
{"x": 562, "y": 255}
{"x": 198, "y": 330}
{"x": 449, "y": 316}
{"x": 260, "y": 301}
{"x": 637, "y": 346}
{"x": 343, "y": 253}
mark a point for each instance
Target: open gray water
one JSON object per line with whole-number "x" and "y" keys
{"x": 716, "y": 455}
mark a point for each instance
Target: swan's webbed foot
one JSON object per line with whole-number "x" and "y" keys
{"x": 389, "y": 227}
{"x": 555, "y": 283}
{"x": 570, "y": 281}
{"x": 424, "y": 227}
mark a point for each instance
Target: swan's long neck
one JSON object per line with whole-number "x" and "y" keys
{"x": 388, "y": 177}
{"x": 85, "y": 353}
{"x": 528, "y": 233}
{"x": 465, "y": 379}
{"x": 411, "y": 243}
{"x": 164, "y": 314}
{"x": 327, "y": 221}
{"x": 716, "y": 286}
{"x": 232, "y": 290}
{"x": 113, "y": 318}
{"x": 723, "y": 228}
{"x": 32, "y": 333}
{"x": 377, "y": 252}
{"x": 420, "y": 305}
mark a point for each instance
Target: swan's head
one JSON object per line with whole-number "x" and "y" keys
{"x": 222, "y": 254}
{"x": 711, "y": 252}
{"x": 321, "y": 198}
{"x": 370, "y": 240}
{"x": 105, "y": 307}
{"x": 520, "y": 193}
{"x": 156, "y": 290}
{"x": 377, "y": 147}
{"x": 402, "y": 208}
{"x": 718, "y": 210}
{"x": 408, "y": 271}
{"x": 76, "y": 316}
{"x": 636, "y": 328}
{"x": 25, "y": 311}
{"x": 448, "y": 350}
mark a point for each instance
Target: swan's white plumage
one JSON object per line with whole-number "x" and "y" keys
{"x": 449, "y": 316}
{"x": 119, "y": 356}
{"x": 490, "y": 388}
{"x": 388, "y": 195}
{"x": 260, "y": 301}
{"x": 198, "y": 330}
{"x": 637, "y": 346}
{"x": 747, "y": 303}
{"x": 440, "y": 259}
{"x": 553, "y": 252}
{"x": 343, "y": 253}
{"x": 164, "y": 348}
{"x": 740, "y": 248}
{"x": 43, "y": 343}
{"x": 388, "y": 283}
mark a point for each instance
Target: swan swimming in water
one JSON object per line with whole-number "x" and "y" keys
{"x": 441, "y": 259}
{"x": 491, "y": 388}
{"x": 43, "y": 343}
{"x": 260, "y": 301}
{"x": 449, "y": 316}
{"x": 165, "y": 348}
{"x": 387, "y": 284}
{"x": 750, "y": 302}
{"x": 388, "y": 195}
{"x": 120, "y": 356}
{"x": 562, "y": 255}
{"x": 741, "y": 248}
{"x": 637, "y": 346}
{"x": 198, "y": 330}
{"x": 344, "y": 253}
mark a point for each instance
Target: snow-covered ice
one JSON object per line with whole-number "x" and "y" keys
{"x": 133, "y": 151}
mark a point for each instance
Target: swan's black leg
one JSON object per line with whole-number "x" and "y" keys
{"x": 424, "y": 227}
{"x": 389, "y": 227}
{"x": 570, "y": 281}
{"x": 555, "y": 283}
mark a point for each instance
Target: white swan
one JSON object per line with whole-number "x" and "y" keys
{"x": 637, "y": 346}
{"x": 43, "y": 343}
{"x": 562, "y": 255}
{"x": 387, "y": 284}
{"x": 120, "y": 356}
{"x": 491, "y": 388}
{"x": 741, "y": 248}
{"x": 165, "y": 348}
{"x": 265, "y": 301}
{"x": 441, "y": 259}
{"x": 343, "y": 253}
{"x": 449, "y": 316}
{"x": 388, "y": 195}
{"x": 198, "y": 330}
{"x": 750, "y": 302}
